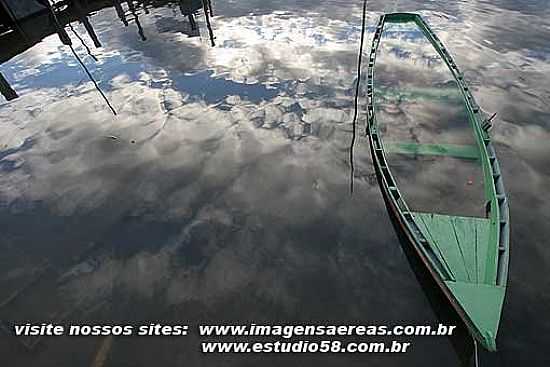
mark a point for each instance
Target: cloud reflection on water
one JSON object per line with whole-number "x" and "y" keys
{"x": 203, "y": 197}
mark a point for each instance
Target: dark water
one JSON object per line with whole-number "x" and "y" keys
{"x": 219, "y": 192}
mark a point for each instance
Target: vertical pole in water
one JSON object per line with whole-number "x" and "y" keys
{"x": 208, "y": 25}
{"x": 82, "y": 16}
{"x": 131, "y": 5}
{"x": 82, "y": 12}
{"x": 133, "y": 10}
{"x": 63, "y": 36}
{"x": 91, "y": 31}
{"x": 192, "y": 21}
{"x": 189, "y": 12}
{"x": 15, "y": 21}
{"x": 120, "y": 12}
{"x": 6, "y": 89}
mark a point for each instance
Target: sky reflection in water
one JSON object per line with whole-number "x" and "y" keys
{"x": 220, "y": 190}
{"x": 418, "y": 103}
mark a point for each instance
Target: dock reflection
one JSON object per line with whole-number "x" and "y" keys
{"x": 20, "y": 34}
{"x": 6, "y": 89}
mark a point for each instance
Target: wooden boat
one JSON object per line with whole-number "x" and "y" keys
{"x": 452, "y": 247}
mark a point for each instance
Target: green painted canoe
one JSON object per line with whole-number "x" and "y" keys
{"x": 467, "y": 256}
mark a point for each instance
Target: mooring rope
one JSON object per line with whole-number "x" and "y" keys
{"x": 476, "y": 356}
{"x": 65, "y": 39}
{"x": 82, "y": 42}
{"x": 357, "y": 89}
{"x": 92, "y": 79}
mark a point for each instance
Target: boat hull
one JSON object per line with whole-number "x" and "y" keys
{"x": 469, "y": 299}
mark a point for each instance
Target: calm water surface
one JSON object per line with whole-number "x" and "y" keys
{"x": 220, "y": 190}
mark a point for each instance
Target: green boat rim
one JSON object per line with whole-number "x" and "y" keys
{"x": 474, "y": 281}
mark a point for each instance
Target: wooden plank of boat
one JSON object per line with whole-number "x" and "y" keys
{"x": 467, "y": 256}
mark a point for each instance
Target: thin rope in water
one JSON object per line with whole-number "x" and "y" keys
{"x": 476, "y": 356}
{"x": 60, "y": 27}
{"x": 93, "y": 80}
{"x": 82, "y": 42}
{"x": 357, "y": 88}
